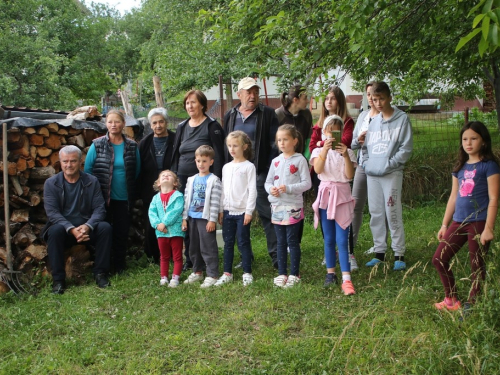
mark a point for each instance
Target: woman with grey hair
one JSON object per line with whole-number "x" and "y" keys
{"x": 155, "y": 150}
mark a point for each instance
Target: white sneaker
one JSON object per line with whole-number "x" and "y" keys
{"x": 323, "y": 262}
{"x": 208, "y": 282}
{"x": 292, "y": 280}
{"x": 247, "y": 279}
{"x": 280, "y": 280}
{"x": 354, "y": 264}
{"x": 164, "y": 280}
{"x": 371, "y": 250}
{"x": 194, "y": 277}
{"x": 173, "y": 283}
{"x": 224, "y": 279}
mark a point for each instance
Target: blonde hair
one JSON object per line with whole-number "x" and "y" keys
{"x": 177, "y": 183}
{"x": 244, "y": 139}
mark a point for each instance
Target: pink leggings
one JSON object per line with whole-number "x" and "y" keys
{"x": 455, "y": 237}
{"x": 170, "y": 247}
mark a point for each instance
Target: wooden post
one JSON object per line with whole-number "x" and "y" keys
{"x": 221, "y": 97}
{"x": 158, "y": 93}
{"x": 229, "y": 95}
{"x": 6, "y": 199}
{"x": 466, "y": 115}
{"x": 126, "y": 103}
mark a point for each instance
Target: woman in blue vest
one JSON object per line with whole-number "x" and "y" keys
{"x": 114, "y": 160}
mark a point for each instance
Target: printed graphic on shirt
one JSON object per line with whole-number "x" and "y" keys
{"x": 382, "y": 137}
{"x": 198, "y": 201}
{"x": 286, "y": 215}
{"x": 467, "y": 185}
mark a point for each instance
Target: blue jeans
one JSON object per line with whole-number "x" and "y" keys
{"x": 288, "y": 237}
{"x": 335, "y": 235}
{"x": 233, "y": 228}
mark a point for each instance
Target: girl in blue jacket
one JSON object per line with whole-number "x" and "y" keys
{"x": 165, "y": 215}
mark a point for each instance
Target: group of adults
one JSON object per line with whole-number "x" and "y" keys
{"x": 93, "y": 205}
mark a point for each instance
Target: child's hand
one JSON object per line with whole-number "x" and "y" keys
{"x": 282, "y": 189}
{"x": 274, "y": 192}
{"x": 487, "y": 235}
{"x": 319, "y": 144}
{"x": 221, "y": 217}
{"x": 328, "y": 144}
{"x": 362, "y": 137}
{"x": 441, "y": 233}
{"x": 162, "y": 228}
{"x": 184, "y": 225}
{"x": 342, "y": 150}
{"x": 247, "y": 220}
{"x": 210, "y": 226}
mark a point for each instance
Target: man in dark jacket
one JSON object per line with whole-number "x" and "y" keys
{"x": 75, "y": 211}
{"x": 261, "y": 124}
{"x": 155, "y": 150}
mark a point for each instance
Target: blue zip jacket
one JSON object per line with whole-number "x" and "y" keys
{"x": 171, "y": 217}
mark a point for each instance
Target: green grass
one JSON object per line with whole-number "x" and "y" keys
{"x": 138, "y": 327}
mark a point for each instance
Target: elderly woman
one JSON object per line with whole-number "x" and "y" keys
{"x": 197, "y": 130}
{"x": 114, "y": 160}
{"x": 155, "y": 150}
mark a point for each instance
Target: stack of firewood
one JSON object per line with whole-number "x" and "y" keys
{"x": 33, "y": 156}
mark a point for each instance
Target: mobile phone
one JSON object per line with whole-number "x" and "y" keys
{"x": 337, "y": 134}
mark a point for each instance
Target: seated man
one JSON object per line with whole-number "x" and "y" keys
{"x": 75, "y": 211}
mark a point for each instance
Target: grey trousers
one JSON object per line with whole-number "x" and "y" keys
{"x": 360, "y": 195}
{"x": 384, "y": 202}
{"x": 203, "y": 247}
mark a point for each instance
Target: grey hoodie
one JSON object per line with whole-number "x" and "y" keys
{"x": 389, "y": 144}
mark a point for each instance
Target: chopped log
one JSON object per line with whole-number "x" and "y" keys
{"x": 29, "y": 130}
{"x": 53, "y": 142}
{"x": 53, "y": 128}
{"x": 78, "y": 263}
{"x": 30, "y": 163}
{"x": 54, "y": 158}
{"x": 77, "y": 140}
{"x": 42, "y": 162}
{"x": 34, "y": 198}
{"x": 18, "y": 200}
{"x": 16, "y": 185}
{"x": 73, "y": 131}
{"x": 42, "y": 173}
{"x": 11, "y": 168}
{"x": 43, "y": 151}
{"x": 24, "y": 150}
{"x": 20, "y": 216}
{"x": 33, "y": 152}
{"x": 36, "y": 139}
{"x": 4, "y": 288}
{"x": 13, "y": 136}
{"x": 26, "y": 190}
{"x": 24, "y": 237}
{"x": 43, "y": 131}
{"x": 64, "y": 141}
{"x": 21, "y": 164}
{"x": 39, "y": 252}
{"x": 89, "y": 135}
{"x": 3, "y": 255}
{"x": 62, "y": 131}
{"x": 129, "y": 132}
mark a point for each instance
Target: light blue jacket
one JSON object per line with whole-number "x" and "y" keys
{"x": 171, "y": 217}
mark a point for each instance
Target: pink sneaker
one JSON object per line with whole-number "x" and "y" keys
{"x": 348, "y": 288}
{"x": 441, "y": 305}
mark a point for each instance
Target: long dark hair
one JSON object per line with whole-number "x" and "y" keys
{"x": 341, "y": 105}
{"x": 294, "y": 92}
{"x": 485, "y": 153}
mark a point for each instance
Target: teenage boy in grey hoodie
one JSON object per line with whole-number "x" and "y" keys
{"x": 389, "y": 143}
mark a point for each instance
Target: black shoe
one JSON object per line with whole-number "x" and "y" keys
{"x": 330, "y": 279}
{"x": 58, "y": 287}
{"x": 186, "y": 267}
{"x": 102, "y": 280}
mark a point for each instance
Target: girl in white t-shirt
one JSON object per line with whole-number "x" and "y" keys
{"x": 334, "y": 204}
{"x": 239, "y": 194}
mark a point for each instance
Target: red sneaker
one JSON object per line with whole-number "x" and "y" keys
{"x": 348, "y": 288}
{"x": 441, "y": 305}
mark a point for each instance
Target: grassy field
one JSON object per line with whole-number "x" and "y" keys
{"x": 138, "y": 327}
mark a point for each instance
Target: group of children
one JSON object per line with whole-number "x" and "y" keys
{"x": 387, "y": 144}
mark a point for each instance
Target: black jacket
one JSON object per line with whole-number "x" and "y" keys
{"x": 92, "y": 207}
{"x": 149, "y": 168}
{"x": 217, "y": 137}
{"x": 265, "y": 136}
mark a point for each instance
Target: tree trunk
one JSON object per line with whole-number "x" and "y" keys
{"x": 229, "y": 96}
{"x": 158, "y": 93}
{"x": 496, "y": 87}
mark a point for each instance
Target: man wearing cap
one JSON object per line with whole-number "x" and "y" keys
{"x": 260, "y": 123}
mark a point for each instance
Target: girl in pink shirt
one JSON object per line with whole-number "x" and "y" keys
{"x": 334, "y": 204}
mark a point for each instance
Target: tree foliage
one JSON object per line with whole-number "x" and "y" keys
{"x": 411, "y": 43}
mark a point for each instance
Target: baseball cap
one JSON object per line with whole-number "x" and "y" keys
{"x": 247, "y": 83}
